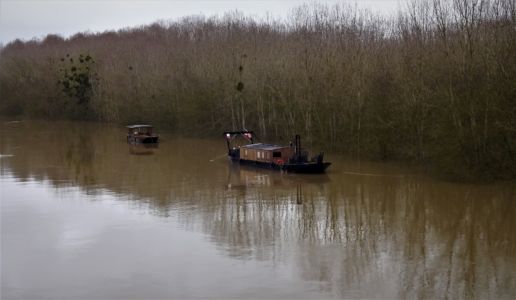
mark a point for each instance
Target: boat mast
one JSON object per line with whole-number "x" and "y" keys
{"x": 298, "y": 146}
{"x": 228, "y": 138}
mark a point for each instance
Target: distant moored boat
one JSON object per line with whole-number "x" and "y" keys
{"x": 141, "y": 134}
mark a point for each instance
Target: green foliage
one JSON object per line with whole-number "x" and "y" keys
{"x": 77, "y": 79}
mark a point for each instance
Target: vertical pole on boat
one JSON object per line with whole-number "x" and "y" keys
{"x": 298, "y": 146}
{"x": 228, "y": 137}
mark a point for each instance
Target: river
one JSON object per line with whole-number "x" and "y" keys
{"x": 84, "y": 215}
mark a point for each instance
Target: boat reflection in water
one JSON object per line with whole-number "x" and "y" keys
{"x": 142, "y": 149}
{"x": 261, "y": 186}
{"x": 243, "y": 177}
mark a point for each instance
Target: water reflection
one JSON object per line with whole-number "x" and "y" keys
{"x": 142, "y": 149}
{"x": 359, "y": 231}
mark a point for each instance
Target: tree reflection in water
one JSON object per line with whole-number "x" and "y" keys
{"x": 357, "y": 235}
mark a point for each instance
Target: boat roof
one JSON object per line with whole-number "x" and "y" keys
{"x": 139, "y": 126}
{"x": 238, "y": 132}
{"x": 262, "y": 146}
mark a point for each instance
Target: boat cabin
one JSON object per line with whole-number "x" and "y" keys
{"x": 267, "y": 153}
{"x": 139, "y": 129}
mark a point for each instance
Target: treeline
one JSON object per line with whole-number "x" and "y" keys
{"x": 435, "y": 84}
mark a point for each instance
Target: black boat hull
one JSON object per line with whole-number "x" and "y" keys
{"x": 309, "y": 167}
{"x": 306, "y": 167}
{"x": 143, "y": 140}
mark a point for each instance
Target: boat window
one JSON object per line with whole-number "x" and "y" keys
{"x": 276, "y": 154}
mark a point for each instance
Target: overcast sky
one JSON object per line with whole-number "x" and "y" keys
{"x": 27, "y": 19}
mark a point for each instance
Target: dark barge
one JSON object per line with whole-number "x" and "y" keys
{"x": 141, "y": 134}
{"x": 291, "y": 158}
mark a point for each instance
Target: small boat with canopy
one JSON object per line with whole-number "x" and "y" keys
{"x": 141, "y": 134}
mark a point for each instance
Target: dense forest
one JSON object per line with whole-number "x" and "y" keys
{"x": 435, "y": 84}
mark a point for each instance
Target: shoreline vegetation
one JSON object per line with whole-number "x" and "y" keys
{"x": 434, "y": 85}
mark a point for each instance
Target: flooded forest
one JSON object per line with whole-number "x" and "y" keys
{"x": 434, "y": 84}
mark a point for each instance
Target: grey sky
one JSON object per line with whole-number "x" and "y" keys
{"x": 27, "y": 19}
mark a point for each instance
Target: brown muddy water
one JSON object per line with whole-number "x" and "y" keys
{"x": 83, "y": 215}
